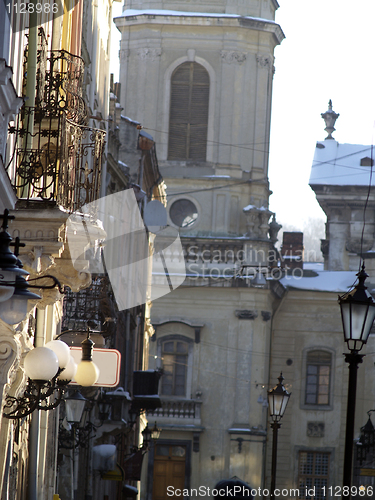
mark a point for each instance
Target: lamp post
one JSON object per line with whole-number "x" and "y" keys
{"x": 150, "y": 434}
{"x": 278, "y": 398}
{"x": 357, "y": 314}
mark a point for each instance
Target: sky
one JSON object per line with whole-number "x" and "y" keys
{"x": 327, "y": 54}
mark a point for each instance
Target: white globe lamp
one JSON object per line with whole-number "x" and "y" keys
{"x": 61, "y": 350}
{"x": 41, "y": 364}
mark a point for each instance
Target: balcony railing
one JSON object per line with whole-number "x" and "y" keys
{"x": 181, "y": 409}
{"x": 55, "y": 159}
{"x": 63, "y": 89}
{"x": 94, "y": 305}
{"x": 55, "y": 156}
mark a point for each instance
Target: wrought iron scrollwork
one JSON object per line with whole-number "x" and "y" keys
{"x": 64, "y": 164}
{"x": 95, "y": 304}
{"x": 76, "y": 436}
{"x": 36, "y": 396}
{"x": 64, "y": 85}
{"x": 56, "y": 156}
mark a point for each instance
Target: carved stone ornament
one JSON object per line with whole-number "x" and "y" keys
{"x": 274, "y": 228}
{"x": 315, "y": 429}
{"x": 123, "y": 54}
{"x": 324, "y": 248}
{"x": 355, "y": 245}
{"x": 232, "y": 56}
{"x": 266, "y": 315}
{"x": 150, "y": 54}
{"x": 246, "y": 314}
{"x": 264, "y": 60}
{"x": 257, "y": 221}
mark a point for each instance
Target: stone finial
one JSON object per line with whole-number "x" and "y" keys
{"x": 330, "y": 118}
{"x": 274, "y": 228}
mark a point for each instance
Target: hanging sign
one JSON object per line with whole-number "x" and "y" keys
{"x": 107, "y": 360}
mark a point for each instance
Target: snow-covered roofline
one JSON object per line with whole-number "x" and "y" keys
{"x": 257, "y": 23}
{"x": 325, "y": 281}
{"x": 338, "y": 164}
{"x": 162, "y": 12}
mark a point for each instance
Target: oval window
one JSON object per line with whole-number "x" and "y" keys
{"x": 183, "y": 213}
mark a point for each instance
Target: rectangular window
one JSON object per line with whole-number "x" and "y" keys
{"x": 175, "y": 356}
{"x": 318, "y": 374}
{"x": 313, "y": 475}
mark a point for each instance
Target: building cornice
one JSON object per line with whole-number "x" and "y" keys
{"x": 151, "y": 16}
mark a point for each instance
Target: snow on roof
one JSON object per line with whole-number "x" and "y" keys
{"x": 325, "y": 281}
{"x": 313, "y": 266}
{"x": 251, "y": 207}
{"x": 340, "y": 164}
{"x": 217, "y": 176}
{"x": 161, "y": 12}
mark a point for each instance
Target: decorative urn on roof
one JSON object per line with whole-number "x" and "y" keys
{"x": 330, "y": 118}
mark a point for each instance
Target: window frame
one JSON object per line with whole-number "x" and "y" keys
{"x": 189, "y": 368}
{"x": 195, "y": 104}
{"x": 316, "y": 406}
{"x": 163, "y": 149}
{"x": 331, "y": 459}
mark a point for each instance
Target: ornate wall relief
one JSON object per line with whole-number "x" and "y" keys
{"x": 149, "y": 54}
{"x": 232, "y": 56}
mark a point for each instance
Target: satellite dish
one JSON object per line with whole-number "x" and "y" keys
{"x": 155, "y": 216}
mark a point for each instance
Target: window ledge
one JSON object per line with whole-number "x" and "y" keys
{"x": 328, "y": 407}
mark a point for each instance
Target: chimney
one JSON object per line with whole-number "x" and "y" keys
{"x": 292, "y": 249}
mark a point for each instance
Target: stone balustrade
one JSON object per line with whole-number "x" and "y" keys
{"x": 184, "y": 410}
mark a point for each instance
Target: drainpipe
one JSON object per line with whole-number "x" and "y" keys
{"x": 57, "y": 27}
{"x": 127, "y": 351}
{"x": 33, "y": 456}
{"x": 274, "y": 316}
{"x": 31, "y": 72}
{"x": 35, "y": 421}
{"x": 30, "y": 82}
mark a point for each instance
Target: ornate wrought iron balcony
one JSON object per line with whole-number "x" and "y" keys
{"x": 63, "y": 86}
{"x": 55, "y": 156}
{"x": 55, "y": 159}
{"x": 94, "y": 305}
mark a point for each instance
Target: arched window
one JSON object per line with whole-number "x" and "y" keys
{"x": 318, "y": 377}
{"x": 175, "y": 362}
{"x": 188, "y": 119}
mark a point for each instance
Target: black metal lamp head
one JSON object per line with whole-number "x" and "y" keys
{"x": 74, "y": 406}
{"x": 150, "y": 434}
{"x": 278, "y": 398}
{"x": 9, "y": 263}
{"x": 357, "y": 313}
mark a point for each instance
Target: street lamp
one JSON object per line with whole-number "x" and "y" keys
{"x": 357, "y": 314}
{"x": 14, "y": 293}
{"x": 87, "y": 372}
{"x": 278, "y": 398}
{"x": 150, "y": 434}
{"x": 74, "y": 406}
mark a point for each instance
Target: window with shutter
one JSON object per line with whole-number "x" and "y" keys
{"x": 188, "y": 117}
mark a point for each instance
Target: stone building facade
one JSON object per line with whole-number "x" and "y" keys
{"x": 307, "y": 337}
{"x": 198, "y": 77}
